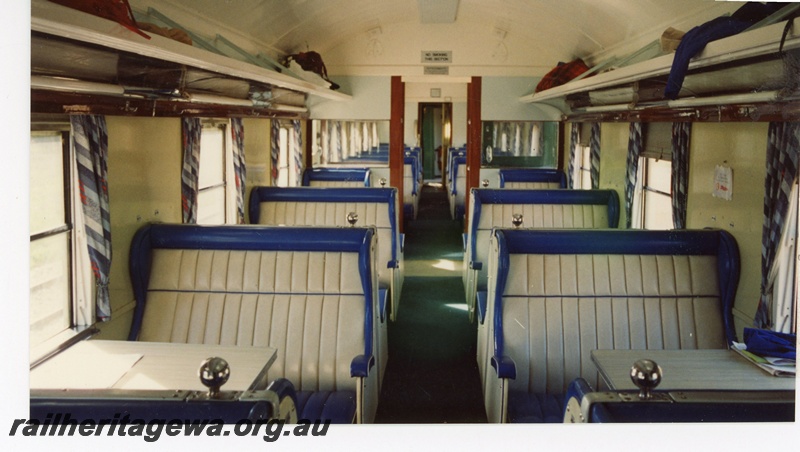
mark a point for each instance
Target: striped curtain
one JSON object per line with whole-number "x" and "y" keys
{"x": 635, "y": 143}
{"x": 275, "y": 151}
{"x": 191, "y": 130}
{"x": 594, "y": 150}
{"x": 297, "y": 152}
{"x": 90, "y": 140}
{"x": 324, "y": 142}
{"x": 574, "y": 137}
{"x": 239, "y": 168}
{"x": 783, "y": 158}
{"x": 681, "y": 134}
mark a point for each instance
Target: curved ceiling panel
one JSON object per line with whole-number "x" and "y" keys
{"x": 541, "y": 31}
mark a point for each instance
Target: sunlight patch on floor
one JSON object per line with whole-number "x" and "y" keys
{"x": 458, "y": 306}
{"x": 433, "y": 267}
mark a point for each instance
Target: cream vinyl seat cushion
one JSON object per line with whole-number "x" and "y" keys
{"x": 554, "y": 296}
{"x": 261, "y": 286}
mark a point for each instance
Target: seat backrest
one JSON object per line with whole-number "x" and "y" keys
{"x": 532, "y": 178}
{"x": 375, "y": 207}
{"x": 557, "y": 295}
{"x": 293, "y": 289}
{"x": 552, "y": 209}
{"x": 336, "y": 177}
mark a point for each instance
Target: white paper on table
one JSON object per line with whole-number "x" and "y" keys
{"x": 83, "y": 366}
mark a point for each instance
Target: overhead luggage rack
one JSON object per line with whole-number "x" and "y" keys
{"x": 638, "y": 85}
{"x": 84, "y": 32}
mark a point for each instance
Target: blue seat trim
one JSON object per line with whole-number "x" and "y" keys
{"x": 451, "y": 154}
{"x": 676, "y": 242}
{"x": 415, "y": 170}
{"x": 532, "y": 175}
{"x": 326, "y": 194}
{"x": 336, "y": 174}
{"x": 383, "y": 295}
{"x": 481, "y": 304}
{"x": 482, "y": 196}
{"x": 535, "y": 408}
{"x": 247, "y": 238}
{"x": 720, "y": 411}
{"x": 457, "y": 163}
{"x": 337, "y": 406}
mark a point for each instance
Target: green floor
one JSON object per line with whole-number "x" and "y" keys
{"x": 432, "y": 375}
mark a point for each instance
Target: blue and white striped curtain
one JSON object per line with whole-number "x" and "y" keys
{"x": 90, "y": 140}
{"x": 275, "y": 150}
{"x": 635, "y": 143}
{"x": 681, "y": 135}
{"x": 297, "y": 152}
{"x": 783, "y": 159}
{"x": 239, "y": 167}
{"x": 594, "y": 150}
{"x": 573, "y": 145}
{"x": 191, "y": 130}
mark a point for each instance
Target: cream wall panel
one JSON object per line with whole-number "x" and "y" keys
{"x": 144, "y": 167}
{"x": 743, "y": 146}
{"x": 613, "y": 156}
{"x": 257, "y": 151}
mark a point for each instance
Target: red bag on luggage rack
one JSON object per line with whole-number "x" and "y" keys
{"x": 117, "y": 10}
{"x": 561, "y": 74}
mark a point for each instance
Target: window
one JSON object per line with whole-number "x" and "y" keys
{"x": 50, "y": 235}
{"x": 287, "y": 165}
{"x": 515, "y": 144}
{"x": 215, "y": 204}
{"x": 582, "y": 163}
{"x": 582, "y": 175}
{"x": 652, "y": 203}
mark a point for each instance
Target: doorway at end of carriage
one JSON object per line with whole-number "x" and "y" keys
{"x": 434, "y": 120}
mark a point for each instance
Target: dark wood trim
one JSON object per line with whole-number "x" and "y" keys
{"x": 309, "y": 145}
{"x": 561, "y": 149}
{"x": 473, "y": 141}
{"x": 396, "y": 143}
{"x": 54, "y": 102}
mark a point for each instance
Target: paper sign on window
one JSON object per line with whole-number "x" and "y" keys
{"x": 723, "y": 182}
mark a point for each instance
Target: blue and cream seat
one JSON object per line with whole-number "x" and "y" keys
{"x": 310, "y": 293}
{"x": 532, "y": 178}
{"x": 554, "y": 296}
{"x": 336, "y": 177}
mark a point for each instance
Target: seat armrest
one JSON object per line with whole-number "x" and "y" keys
{"x": 505, "y": 366}
{"x": 481, "y": 298}
{"x": 393, "y": 264}
{"x": 361, "y": 365}
{"x": 475, "y": 265}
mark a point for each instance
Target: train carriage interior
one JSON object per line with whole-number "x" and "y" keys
{"x": 406, "y": 214}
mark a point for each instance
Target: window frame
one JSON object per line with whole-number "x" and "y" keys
{"x": 644, "y": 189}
{"x": 229, "y": 190}
{"x": 68, "y": 228}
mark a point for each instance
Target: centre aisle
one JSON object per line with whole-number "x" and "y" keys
{"x": 432, "y": 375}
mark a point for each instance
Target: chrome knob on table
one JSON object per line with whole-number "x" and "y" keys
{"x": 214, "y": 372}
{"x": 646, "y": 375}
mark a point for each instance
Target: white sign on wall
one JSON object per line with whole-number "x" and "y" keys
{"x": 437, "y": 56}
{"x": 723, "y": 182}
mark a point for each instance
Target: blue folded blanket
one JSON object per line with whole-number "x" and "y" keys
{"x": 771, "y": 343}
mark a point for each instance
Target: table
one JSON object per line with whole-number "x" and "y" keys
{"x": 711, "y": 370}
{"x": 129, "y": 365}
